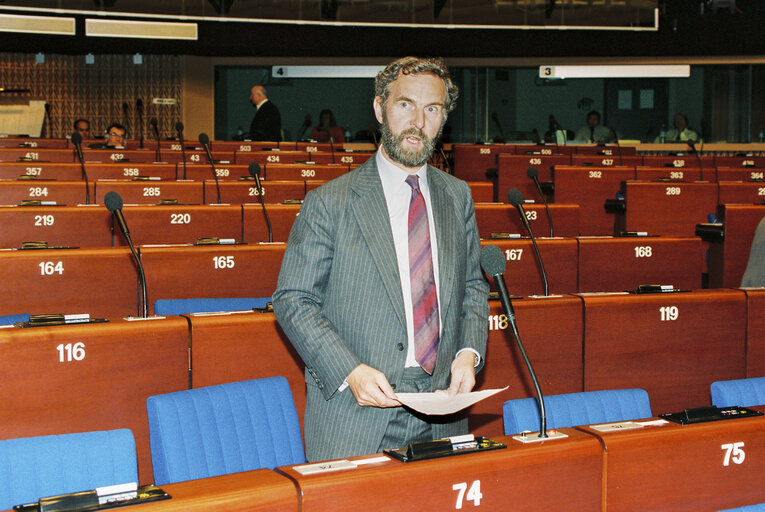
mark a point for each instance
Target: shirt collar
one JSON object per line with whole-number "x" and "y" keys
{"x": 261, "y": 104}
{"x": 393, "y": 177}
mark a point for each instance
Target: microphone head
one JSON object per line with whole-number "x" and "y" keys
{"x": 514, "y": 197}
{"x": 113, "y": 201}
{"x": 153, "y": 121}
{"x": 47, "y": 107}
{"x": 179, "y": 126}
{"x": 532, "y": 173}
{"x": 254, "y": 169}
{"x": 204, "y": 139}
{"x": 76, "y": 138}
{"x": 493, "y": 260}
{"x": 125, "y": 106}
{"x": 139, "y": 103}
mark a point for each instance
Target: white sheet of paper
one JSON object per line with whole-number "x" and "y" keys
{"x": 439, "y": 402}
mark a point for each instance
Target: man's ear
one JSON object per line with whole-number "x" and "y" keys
{"x": 378, "y": 108}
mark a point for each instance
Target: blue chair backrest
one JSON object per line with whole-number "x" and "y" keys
{"x": 37, "y": 467}
{"x": 743, "y": 392}
{"x": 12, "y": 319}
{"x": 228, "y": 428}
{"x": 575, "y": 409}
{"x": 186, "y": 306}
{"x": 749, "y": 508}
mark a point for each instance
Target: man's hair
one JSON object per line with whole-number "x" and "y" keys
{"x": 416, "y": 66}
{"x": 116, "y": 125}
{"x": 80, "y": 120}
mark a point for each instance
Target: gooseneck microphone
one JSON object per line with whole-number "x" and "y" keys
{"x": 179, "y": 129}
{"x": 493, "y": 263}
{"x": 303, "y": 127}
{"x": 255, "y": 173}
{"x": 125, "y": 119}
{"x": 77, "y": 141}
{"x": 139, "y": 113}
{"x": 532, "y": 173}
{"x": 692, "y": 145}
{"x": 515, "y": 198}
{"x": 205, "y": 141}
{"x": 155, "y": 127}
{"x": 113, "y": 203}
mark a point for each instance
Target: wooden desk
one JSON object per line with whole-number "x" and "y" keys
{"x": 612, "y": 160}
{"x": 302, "y": 172}
{"x": 69, "y": 171}
{"x": 102, "y": 282}
{"x": 78, "y": 378}
{"x": 740, "y": 161}
{"x": 604, "y": 150}
{"x": 504, "y": 218}
{"x": 632, "y": 341}
{"x": 351, "y": 158}
{"x": 666, "y": 208}
{"x": 671, "y": 173}
{"x": 30, "y": 143}
{"x": 239, "y": 192}
{"x": 472, "y": 160}
{"x": 728, "y": 259}
{"x": 117, "y": 155}
{"x": 244, "y": 146}
{"x": 692, "y": 467}
{"x": 551, "y": 331}
{"x": 215, "y": 271}
{"x": 150, "y": 192}
{"x": 60, "y": 192}
{"x": 589, "y": 187}
{"x": 254, "y": 223}
{"x": 201, "y": 172}
{"x": 755, "y": 332}
{"x": 731, "y": 192}
{"x": 270, "y": 157}
{"x": 179, "y": 224}
{"x": 77, "y": 226}
{"x": 512, "y": 173}
{"x": 608, "y": 264}
{"x": 36, "y": 154}
{"x": 740, "y": 173}
{"x": 573, "y": 464}
{"x": 523, "y": 274}
{"x": 677, "y": 161}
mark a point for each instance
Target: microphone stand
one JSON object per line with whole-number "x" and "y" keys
{"x": 179, "y": 127}
{"x": 139, "y": 113}
{"x": 205, "y": 141}
{"x": 516, "y": 199}
{"x": 77, "y": 141}
{"x": 255, "y": 173}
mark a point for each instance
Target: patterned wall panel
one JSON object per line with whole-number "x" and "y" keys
{"x": 97, "y": 91}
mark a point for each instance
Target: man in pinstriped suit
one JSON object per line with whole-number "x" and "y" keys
{"x": 345, "y": 298}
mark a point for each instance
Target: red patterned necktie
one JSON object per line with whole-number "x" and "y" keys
{"x": 424, "y": 297}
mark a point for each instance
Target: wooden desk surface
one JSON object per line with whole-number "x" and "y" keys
{"x": 607, "y": 160}
{"x": 270, "y": 157}
{"x": 516, "y": 478}
{"x": 472, "y": 160}
{"x": 179, "y": 224}
{"x": 70, "y": 171}
{"x": 740, "y": 161}
{"x": 741, "y": 192}
{"x": 707, "y": 162}
{"x": 58, "y": 192}
{"x": 77, "y": 378}
{"x": 728, "y": 259}
{"x": 78, "y": 226}
{"x": 703, "y": 467}
{"x": 28, "y": 142}
{"x": 37, "y": 154}
{"x": 281, "y": 216}
{"x": 512, "y": 173}
{"x": 240, "y": 192}
{"x": 670, "y": 173}
{"x": 302, "y": 172}
{"x": 672, "y": 345}
{"x": 150, "y": 192}
{"x": 201, "y": 172}
{"x": 504, "y": 218}
{"x": 740, "y": 173}
{"x": 351, "y": 158}
{"x": 755, "y": 332}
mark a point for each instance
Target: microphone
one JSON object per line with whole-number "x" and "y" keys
{"x": 255, "y": 173}
{"x": 155, "y": 126}
{"x": 532, "y": 173}
{"x": 515, "y": 198}
{"x": 179, "y": 129}
{"x": 306, "y": 124}
{"x": 125, "y": 118}
{"x": 48, "y": 125}
{"x": 113, "y": 203}
{"x": 692, "y": 145}
{"x": 493, "y": 263}
{"x": 77, "y": 141}
{"x": 331, "y": 145}
{"x": 618, "y": 147}
{"x": 205, "y": 141}
{"x": 139, "y": 113}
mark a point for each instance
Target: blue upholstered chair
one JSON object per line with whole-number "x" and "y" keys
{"x": 228, "y": 428}
{"x": 749, "y": 508}
{"x": 574, "y": 409}
{"x": 37, "y": 467}
{"x": 12, "y": 319}
{"x": 181, "y": 306}
{"x": 743, "y": 392}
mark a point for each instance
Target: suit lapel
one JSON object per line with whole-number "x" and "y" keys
{"x": 371, "y": 213}
{"x": 444, "y": 218}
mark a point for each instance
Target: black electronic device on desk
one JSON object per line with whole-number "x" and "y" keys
{"x": 458, "y": 445}
{"x": 709, "y": 413}
{"x": 98, "y": 499}
{"x": 59, "y": 319}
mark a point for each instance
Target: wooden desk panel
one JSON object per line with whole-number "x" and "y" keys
{"x": 302, "y": 172}
{"x": 78, "y": 226}
{"x": 31, "y": 143}
{"x": 740, "y": 174}
{"x": 150, "y": 192}
{"x": 616, "y": 264}
{"x": 67, "y": 171}
{"x": 202, "y": 172}
{"x": 59, "y": 192}
{"x": 523, "y": 274}
{"x": 755, "y": 332}
{"x": 667, "y": 208}
{"x": 179, "y": 224}
{"x": 240, "y": 192}
{"x": 472, "y": 160}
{"x": 244, "y": 146}
{"x": 211, "y": 271}
{"x": 512, "y": 173}
{"x": 674, "y": 467}
{"x": 70, "y": 171}
{"x": 589, "y": 187}
{"x": 606, "y": 150}
{"x": 270, "y": 157}
{"x": 728, "y": 259}
{"x": 612, "y": 160}
{"x": 117, "y": 155}
{"x": 37, "y": 155}
{"x": 504, "y": 218}
{"x": 573, "y": 464}
{"x": 281, "y": 215}
{"x": 551, "y": 331}
{"x": 629, "y": 345}
{"x": 740, "y": 161}
{"x": 671, "y": 173}
{"x": 737, "y": 192}
{"x": 102, "y": 282}
{"x": 310, "y": 147}
{"x": 351, "y": 158}
{"x": 78, "y": 378}
{"x": 677, "y": 161}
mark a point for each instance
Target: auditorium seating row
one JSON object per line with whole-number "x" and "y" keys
{"x": 672, "y": 345}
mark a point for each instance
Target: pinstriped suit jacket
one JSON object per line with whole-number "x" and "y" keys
{"x": 339, "y": 301}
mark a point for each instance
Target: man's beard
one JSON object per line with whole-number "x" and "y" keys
{"x": 394, "y": 148}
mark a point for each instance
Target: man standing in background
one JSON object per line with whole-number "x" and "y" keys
{"x": 267, "y": 123}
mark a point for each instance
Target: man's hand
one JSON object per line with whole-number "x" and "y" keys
{"x": 371, "y": 387}
{"x": 463, "y": 373}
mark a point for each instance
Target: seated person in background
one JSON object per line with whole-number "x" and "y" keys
{"x": 115, "y": 138}
{"x": 681, "y": 132}
{"x": 82, "y": 126}
{"x": 327, "y": 128}
{"x": 594, "y": 132}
